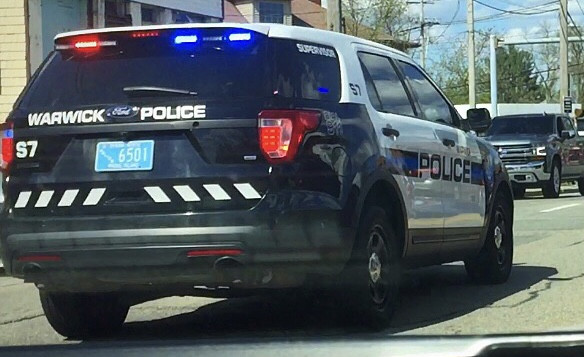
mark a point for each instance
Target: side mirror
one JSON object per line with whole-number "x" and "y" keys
{"x": 567, "y": 134}
{"x": 479, "y": 120}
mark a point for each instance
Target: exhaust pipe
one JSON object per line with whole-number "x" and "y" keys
{"x": 229, "y": 270}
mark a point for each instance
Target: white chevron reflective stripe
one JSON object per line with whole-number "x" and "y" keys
{"x": 186, "y": 193}
{"x": 94, "y": 196}
{"x": 157, "y": 194}
{"x": 68, "y": 198}
{"x": 44, "y": 199}
{"x": 247, "y": 191}
{"x": 22, "y": 199}
{"x": 217, "y": 192}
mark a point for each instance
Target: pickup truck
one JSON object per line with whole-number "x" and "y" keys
{"x": 539, "y": 151}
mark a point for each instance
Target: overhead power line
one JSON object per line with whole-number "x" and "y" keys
{"x": 450, "y": 22}
{"x": 522, "y": 12}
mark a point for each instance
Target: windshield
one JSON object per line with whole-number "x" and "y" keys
{"x": 537, "y": 125}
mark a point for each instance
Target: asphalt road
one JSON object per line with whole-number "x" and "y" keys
{"x": 544, "y": 293}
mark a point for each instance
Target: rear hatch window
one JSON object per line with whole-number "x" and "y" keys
{"x": 206, "y": 64}
{"x": 202, "y": 65}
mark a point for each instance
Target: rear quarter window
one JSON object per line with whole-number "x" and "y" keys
{"x": 306, "y": 70}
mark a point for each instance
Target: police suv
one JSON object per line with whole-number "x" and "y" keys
{"x": 219, "y": 159}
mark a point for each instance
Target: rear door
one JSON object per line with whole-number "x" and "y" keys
{"x": 572, "y": 149}
{"x": 411, "y": 148}
{"x": 461, "y": 170}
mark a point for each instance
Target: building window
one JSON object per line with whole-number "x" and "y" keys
{"x": 147, "y": 15}
{"x": 272, "y": 12}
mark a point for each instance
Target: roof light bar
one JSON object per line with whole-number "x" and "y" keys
{"x": 185, "y": 39}
{"x": 246, "y": 36}
{"x": 85, "y": 45}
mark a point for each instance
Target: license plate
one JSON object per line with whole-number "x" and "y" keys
{"x": 124, "y": 156}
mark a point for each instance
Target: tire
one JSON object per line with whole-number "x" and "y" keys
{"x": 518, "y": 192}
{"x": 581, "y": 186}
{"x": 494, "y": 262}
{"x": 84, "y": 316}
{"x": 552, "y": 187}
{"x": 372, "y": 278}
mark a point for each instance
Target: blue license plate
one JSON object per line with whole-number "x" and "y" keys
{"x": 124, "y": 156}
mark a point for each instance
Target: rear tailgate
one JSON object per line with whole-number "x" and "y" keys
{"x": 157, "y": 121}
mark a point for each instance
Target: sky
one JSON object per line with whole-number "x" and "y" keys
{"x": 509, "y": 26}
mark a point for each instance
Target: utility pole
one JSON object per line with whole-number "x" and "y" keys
{"x": 493, "y": 63}
{"x": 333, "y": 15}
{"x": 422, "y": 37}
{"x": 564, "y": 78}
{"x": 471, "y": 54}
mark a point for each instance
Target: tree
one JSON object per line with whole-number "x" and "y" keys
{"x": 451, "y": 69}
{"x": 516, "y": 77}
{"x": 384, "y": 21}
{"x": 547, "y": 63}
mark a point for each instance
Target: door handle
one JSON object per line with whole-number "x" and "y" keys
{"x": 390, "y": 132}
{"x": 448, "y": 142}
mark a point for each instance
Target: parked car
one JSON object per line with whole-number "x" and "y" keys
{"x": 539, "y": 151}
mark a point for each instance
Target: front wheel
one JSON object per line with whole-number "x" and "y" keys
{"x": 552, "y": 187}
{"x": 371, "y": 280}
{"x": 493, "y": 264}
{"x": 84, "y": 316}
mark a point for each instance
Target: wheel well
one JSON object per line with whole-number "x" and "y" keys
{"x": 382, "y": 194}
{"x": 557, "y": 158}
{"x": 505, "y": 191}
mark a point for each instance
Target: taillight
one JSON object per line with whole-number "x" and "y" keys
{"x": 282, "y": 131}
{"x": 7, "y": 145}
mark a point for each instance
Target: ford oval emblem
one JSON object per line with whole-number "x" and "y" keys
{"x": 122, "y": 112}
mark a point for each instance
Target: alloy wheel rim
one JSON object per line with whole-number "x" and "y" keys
{"x": 378, "y": 267}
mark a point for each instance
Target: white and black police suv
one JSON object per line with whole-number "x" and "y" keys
{"x": 219, "y": 159}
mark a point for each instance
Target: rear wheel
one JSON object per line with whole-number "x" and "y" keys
{"x": 552, "y": 187}
{"x": 493, "y": 264}
{"x": 84, "y": 316}
{"x": 518, "y": 192}
{"x": 372, "y": 278}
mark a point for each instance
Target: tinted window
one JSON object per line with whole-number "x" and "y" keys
{"x": 218, "y": 71}
{"x": 567, "y": 124}
{"x": 580, "y": 125}
{"x": 521, "y": 125}
{"x": 390, "y": 89}
{"x": 306, "y": 70}
{"x": 221, "y": 71}
{"x": 434, "y": 106}
{"x": 371, "y": 91}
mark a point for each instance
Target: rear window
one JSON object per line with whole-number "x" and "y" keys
{"x": 216, "y": 69}
{"x": 306, "y": 70}
{"x": 521, "y": 125}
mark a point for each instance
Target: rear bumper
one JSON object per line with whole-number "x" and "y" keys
{"x": 146, "y": 250}
{"x": 528, "y": 175}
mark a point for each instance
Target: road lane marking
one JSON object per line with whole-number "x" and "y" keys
{"x": 559, "y": 208}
